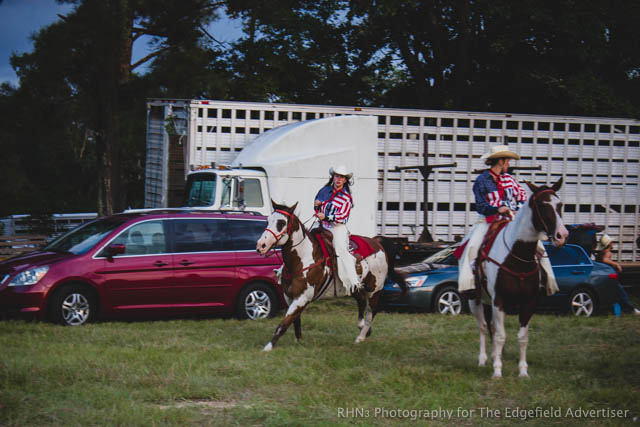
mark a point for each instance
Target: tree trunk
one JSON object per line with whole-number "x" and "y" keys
{"x": 114, "y": 72}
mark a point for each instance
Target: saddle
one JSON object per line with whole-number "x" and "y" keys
{"x": 358, "y": 246}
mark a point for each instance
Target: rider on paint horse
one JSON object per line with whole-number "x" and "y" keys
{"x": 333, "y": 205}
{"x": 498, "y": 195}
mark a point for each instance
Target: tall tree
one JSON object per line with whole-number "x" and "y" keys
{"x": 299, "y": 52}
{"x": 97, "y": 43}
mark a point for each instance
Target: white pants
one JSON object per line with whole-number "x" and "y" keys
{"x": 346, "y": 262}
{"x": 466, "y": 279}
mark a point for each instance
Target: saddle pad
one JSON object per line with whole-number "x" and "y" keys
{"x": 359, "y": 245}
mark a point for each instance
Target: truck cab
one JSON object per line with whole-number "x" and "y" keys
{"x": 225, "y": 188}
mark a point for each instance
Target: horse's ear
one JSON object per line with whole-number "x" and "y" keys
{"x": 557, "y": 185}
{"x": 532, "y": 186}
{"x": 292, "y": 209}
{"x": 275, "y": 205}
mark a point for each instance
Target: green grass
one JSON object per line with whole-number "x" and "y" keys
{"x": 213, "y": 372}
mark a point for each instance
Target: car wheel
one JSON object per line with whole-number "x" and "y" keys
{"x": 256, "y": 301}
{"x": 73, "y": 305}
{"x": 448, "y": 301}
{"x": 582, "y": 303}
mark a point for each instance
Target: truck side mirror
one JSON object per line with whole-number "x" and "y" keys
{"x": 239, "y": 196}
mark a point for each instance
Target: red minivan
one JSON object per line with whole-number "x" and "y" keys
{"x": 146, "y": 264}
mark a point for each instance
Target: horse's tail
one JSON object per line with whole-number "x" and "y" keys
{"x": 389, "y": 248}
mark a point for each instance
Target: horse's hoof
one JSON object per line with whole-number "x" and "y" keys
{"x": 358, "y": 340}
{"x": 524, "y": 375}
{"x": 268, "y": 347}
{"x": 497, "y": 375}
{"x": 482, "y": 361}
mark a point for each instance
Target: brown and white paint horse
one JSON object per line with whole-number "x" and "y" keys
{"x": 513, "y": 272}
{"x": 308, "y": 274}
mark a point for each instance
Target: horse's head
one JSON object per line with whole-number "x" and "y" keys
{"x": 279, "y": 226}
{"x": 547, "y": 212}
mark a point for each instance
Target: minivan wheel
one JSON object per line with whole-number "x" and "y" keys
{"x": 582, "y": 303}
{"x": 73, "y": 305}
{"x": 256, "y": 301}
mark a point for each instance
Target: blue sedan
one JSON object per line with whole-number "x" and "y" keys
{"x": 586, "y": 287}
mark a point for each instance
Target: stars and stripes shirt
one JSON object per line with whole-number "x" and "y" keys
{"x": 336, "y": 205}
{"x": 492, "y": 191}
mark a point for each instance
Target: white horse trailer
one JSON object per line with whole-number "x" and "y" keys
{"x": 599, "y": 159}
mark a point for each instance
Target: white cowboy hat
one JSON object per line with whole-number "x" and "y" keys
{"x": 605, "y": 241}
{"x": 341, "y": 170}
{"x": 500, "y": 151}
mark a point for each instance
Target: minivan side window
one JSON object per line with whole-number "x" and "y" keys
{"x": 245, "y": 233}
{"x": 143, "y": 238}
{"x": 200, "y": 235}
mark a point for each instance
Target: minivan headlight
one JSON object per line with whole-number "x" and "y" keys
{"x": 29, "y": 277}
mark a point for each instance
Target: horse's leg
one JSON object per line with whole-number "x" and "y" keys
{"x": 478, "y": 313}
{"x": 361, "y": 299}
{"x": 297, "y": 324}
{"x": 293, "y": 312}
{"x": 371, "y": 311}
{"x": 523, "y": 336}
{"x": 374, "y": 302}
{"x": 499, "y": 339}
{"x": 367, "y": 317}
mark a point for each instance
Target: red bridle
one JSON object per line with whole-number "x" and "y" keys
{"x": 285, "y": 230}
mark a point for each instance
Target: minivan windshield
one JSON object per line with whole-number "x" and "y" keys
{"x": 200, "y": 190}
{"x": 81, "y": 239}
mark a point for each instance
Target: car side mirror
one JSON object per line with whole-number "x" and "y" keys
{"x": 116, "y": 249}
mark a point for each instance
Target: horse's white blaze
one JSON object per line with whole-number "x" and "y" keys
{"x": 267, "y": 240}
{"x": 560, "y": 229}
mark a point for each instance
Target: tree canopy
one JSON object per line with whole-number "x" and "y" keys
{"x": 73, "y": 129}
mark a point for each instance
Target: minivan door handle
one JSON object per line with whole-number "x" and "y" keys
{"x": 577, "y": 272}
{"x": 160, "y": 264}
{"x": 186, "y": 262}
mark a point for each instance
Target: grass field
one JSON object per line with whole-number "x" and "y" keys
{"x": 415, "y": 367}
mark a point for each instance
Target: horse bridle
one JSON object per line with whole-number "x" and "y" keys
{"x": 285, "y": 230}
{"x": 537, "y": 211}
